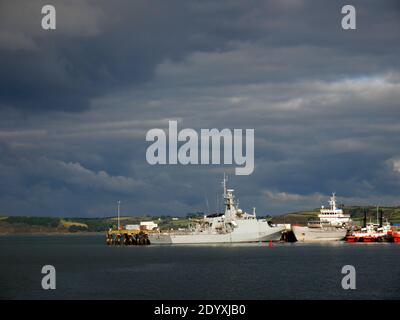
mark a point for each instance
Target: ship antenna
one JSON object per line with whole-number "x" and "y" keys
{"x": 206, "y": 200}
{"x": 119, "y": 204}
{"x": 224, "y": 183}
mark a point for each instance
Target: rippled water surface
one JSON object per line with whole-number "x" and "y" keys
{"x": 88, "y": 269}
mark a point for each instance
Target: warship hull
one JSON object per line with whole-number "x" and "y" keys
{"x": 250, "y": 232}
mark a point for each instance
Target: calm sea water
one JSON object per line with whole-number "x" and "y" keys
{"x": 88, "y": 269}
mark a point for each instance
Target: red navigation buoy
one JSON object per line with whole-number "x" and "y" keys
{"x": 270, "y": 243}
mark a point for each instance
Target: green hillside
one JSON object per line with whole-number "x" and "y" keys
{"x": 27, "y": 224}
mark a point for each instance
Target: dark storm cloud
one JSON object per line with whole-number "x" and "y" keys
{"x": 120, "y": 46}
{"x": 76, "y": 103}
{"x": 105, "y": 46}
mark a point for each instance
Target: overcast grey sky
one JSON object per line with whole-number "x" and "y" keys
{"x": 76, "y": 103}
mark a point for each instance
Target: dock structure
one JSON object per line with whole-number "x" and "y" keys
{"x": 129, "y": 234}
{"x": 128, "y": 237}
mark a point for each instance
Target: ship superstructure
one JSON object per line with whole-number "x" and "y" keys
{"x": 333, "y": 216}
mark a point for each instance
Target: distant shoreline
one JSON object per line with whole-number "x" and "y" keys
{"x": 45, "y": 225}
{"x": 3, "y": 234}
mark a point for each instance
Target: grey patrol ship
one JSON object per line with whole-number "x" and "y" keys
{"x": 232, "y": 226}
{"x": 332, "y": 225}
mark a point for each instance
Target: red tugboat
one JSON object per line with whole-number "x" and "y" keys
{"x": 396, "y": 236}
{"x": 372, "y": 232}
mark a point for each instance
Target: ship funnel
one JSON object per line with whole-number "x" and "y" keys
{"x": 380, "y": 217}
{"x": 365, "y": 219}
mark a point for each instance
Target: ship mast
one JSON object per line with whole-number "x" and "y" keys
{"x": 119, "y": 204}
{"x": 224, "y": 184}
{"x": 333, "y": 201}
{"x": 228, "y": 199}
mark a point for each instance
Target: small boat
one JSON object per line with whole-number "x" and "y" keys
{"x": 396, "y": 236}
{"x": 371, "y": 233}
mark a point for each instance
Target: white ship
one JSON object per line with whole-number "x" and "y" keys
{"x": 331, "y": 226}
{"x": 232, "y": 226}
